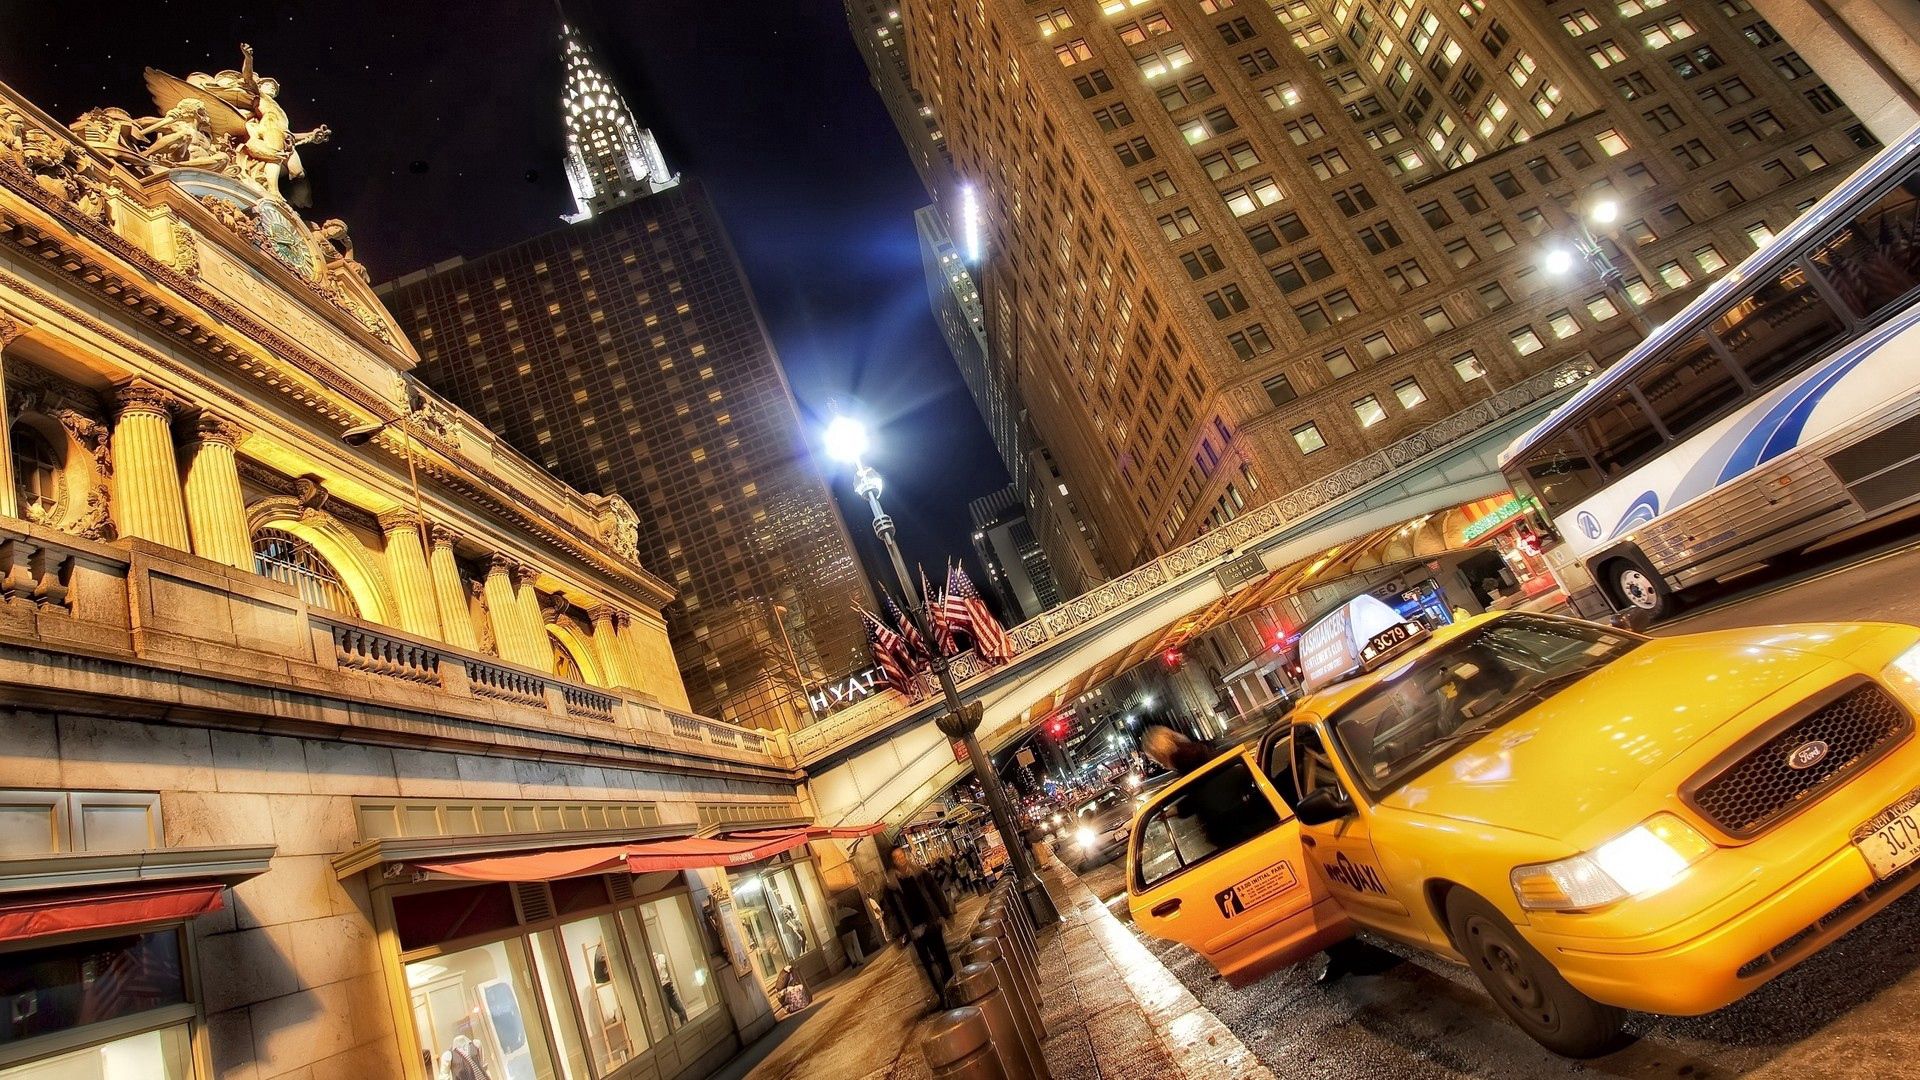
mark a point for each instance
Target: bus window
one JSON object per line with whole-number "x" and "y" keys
{"x": 1874, "y": 260}
{"x": 1780, "y": 329}
{"x": 1559, "y": 473}
{"x": 1621, "y": 433}
{"x": 1688, "y": 385}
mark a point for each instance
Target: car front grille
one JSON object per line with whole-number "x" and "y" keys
{"x": 1754, "y": 785}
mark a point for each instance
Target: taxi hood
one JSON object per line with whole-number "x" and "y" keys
{"x": 1556, "y": 769}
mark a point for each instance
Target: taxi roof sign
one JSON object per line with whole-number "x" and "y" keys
{"x": 1339, "y": 644}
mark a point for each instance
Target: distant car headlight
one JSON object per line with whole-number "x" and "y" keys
{"x": 1903, "y": 677}
{"x": 1086, "y": 837}
{"x": 1640, "y": 862}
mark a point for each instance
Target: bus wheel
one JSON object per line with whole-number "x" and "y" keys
{"x": 1638, "y": 589}
{"x": 1525, "y": 985}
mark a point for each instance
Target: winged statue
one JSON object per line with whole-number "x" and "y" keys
{"x": 243, "y": 110}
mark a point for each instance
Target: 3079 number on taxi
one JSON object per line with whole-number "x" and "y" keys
{"x": 1891, "y": 841}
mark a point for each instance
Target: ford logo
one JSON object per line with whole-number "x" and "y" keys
{"x": 1589, "y": 525}
{"x": 1807, "y": 755}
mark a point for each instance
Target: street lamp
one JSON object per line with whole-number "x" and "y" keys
{"x": 1559, "y": 261}
{"x": 846, "y": 440}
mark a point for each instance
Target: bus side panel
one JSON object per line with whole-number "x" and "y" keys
{"x": 1861, "y": 388}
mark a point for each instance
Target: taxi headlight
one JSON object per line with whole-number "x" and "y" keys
{"x": 1903, "y": 677}
{"x": 1639, "y": 862}
{"x": 1085, "y": 837}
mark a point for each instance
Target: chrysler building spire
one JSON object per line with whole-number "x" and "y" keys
{"x": 610, "y": 158}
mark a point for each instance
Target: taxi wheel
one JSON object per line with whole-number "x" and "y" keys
{"x": 1526, "y": 986}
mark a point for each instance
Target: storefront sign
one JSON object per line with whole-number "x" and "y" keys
{"x": 828, "y": 698}
{"x": 1502, "y": 514}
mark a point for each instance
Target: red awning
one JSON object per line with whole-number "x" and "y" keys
{"x": 96, "y": 911}
{"x": 644, "y": 856}
{"x": 734, "y": 849}
{"x": 535, "y": 866}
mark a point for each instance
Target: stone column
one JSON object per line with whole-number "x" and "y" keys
{"x": 613, "y": 651}
{"x": 146, "y": 475}
{"x": 456, "y": 618}
{"x": 216, "y": 510}
{"x": 509, "y": 630}
{"x": 10, "y": 330}
{"x": 540, "y": 649}
{"x": 407, "y": 568}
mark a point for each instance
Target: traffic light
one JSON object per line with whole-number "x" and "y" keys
{"x": 1058, "y": 727}
{"x": 1172, "y": 658}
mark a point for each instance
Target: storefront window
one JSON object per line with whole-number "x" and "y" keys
{"x": 603, "y": 990}
{"x": 679, "y": 958}
{"x": 640, "y": 954}
{"x": 55, "y": 990}
{"x": 166, "y": 1054}
{"x": 818, "y": 914}
{"x": 475, "y": 1016}
{"x": 783, "y": 899}
{"x": 553, "y": 985}
{"x": 757, "y": 922}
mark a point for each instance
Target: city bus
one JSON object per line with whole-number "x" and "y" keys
{"x": 1781, "y": 408}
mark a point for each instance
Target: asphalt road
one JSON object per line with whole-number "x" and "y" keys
{"x": 1851, "y": 1011}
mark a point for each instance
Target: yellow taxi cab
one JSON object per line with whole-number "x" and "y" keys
{"x": 1592, "y": 820}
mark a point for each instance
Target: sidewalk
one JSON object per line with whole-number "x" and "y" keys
{"x": 1113, "y": 1011}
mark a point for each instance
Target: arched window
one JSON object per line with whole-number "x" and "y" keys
{"x": 564, "y": 665}
{"x": 287, "y": 558}
{"x": 36, "y": 472}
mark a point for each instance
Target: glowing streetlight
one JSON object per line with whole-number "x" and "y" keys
{"x": 846, "y": 440}
{"x": 1605, "y": 212}
{"x": 1559, "y": 261}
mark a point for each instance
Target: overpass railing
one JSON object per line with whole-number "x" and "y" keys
{"x": 875, "y": 714}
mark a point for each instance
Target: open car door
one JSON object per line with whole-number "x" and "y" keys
{"x": 1215, "y": 863}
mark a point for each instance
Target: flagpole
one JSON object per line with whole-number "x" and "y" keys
{"x": 960, "y": 721}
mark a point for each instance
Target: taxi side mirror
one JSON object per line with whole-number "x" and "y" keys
{"x": 1322, "y": 805}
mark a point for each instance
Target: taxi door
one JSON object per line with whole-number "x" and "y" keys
{"x": 1215, "y": 863}
{"x": 1342, "y": 850}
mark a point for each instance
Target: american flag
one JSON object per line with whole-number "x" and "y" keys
{"x": 955, "y": 612}
{"x": 916, "y": 646}
{"x": 890, "y": 652}
{"x": 937, "y": 614}
{"x": 989, "y": 640}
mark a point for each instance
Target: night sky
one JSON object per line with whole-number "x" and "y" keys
{"x": 447, "y": 141}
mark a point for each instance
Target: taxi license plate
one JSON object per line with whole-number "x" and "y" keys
{"x": 1891, "y": 841}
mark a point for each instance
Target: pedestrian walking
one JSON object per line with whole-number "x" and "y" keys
{"x": 846, "y": 923}
{"x": 921, "y": 910}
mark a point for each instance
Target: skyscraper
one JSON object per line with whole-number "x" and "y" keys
{"x": 991, "y": 373}
{"x": 1235, "y": 245}
{"x": 625, "y": 353}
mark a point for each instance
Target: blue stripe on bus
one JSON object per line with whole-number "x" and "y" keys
{"x": 1644, "y": 509}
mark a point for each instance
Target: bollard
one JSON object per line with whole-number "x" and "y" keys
{"x": 977, "y": 985}
{"x": 987, "y": 951}
{"x": 996, "y": 931}
{"x": 1022, "y": 947}
{"x": 1023, "y": 922}
{"x": 960, "y": 1047}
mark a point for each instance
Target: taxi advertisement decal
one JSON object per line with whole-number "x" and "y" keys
{"x": 1256, "y": 890}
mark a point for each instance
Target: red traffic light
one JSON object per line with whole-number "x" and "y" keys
{"x": 1057, "y": 727}
{"x": 1172, "y": 657}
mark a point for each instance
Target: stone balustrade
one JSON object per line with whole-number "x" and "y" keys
{"x": 161, "y": 609}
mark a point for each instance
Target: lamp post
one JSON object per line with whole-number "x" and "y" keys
{"x": 846, "y": 440}
{"x": 1559, "y": 261}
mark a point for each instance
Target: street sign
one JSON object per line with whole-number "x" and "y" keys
{"x": 1232, "y": 575}
{"x": 1025, "y": 756}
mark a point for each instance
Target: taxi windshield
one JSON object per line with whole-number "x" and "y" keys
{"x": 1461, "y": 689}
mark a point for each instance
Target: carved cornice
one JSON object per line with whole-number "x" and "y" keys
{"x": 133, "y": 294}
{"x": 525, "y": 574}
{"x": 11, "y": 329}
{"x": 141, "y": 396}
